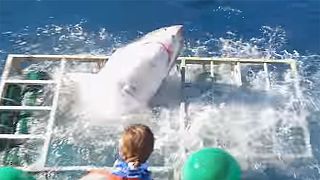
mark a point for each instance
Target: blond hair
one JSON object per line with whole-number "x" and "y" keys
{"x": 136, "y": 144}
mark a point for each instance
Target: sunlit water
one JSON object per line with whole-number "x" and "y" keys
{"x": 249, "y": 121}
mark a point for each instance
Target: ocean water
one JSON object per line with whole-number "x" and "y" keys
{"x": 228, "y": 117}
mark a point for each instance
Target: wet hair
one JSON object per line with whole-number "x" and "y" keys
{"x": 136, "y": 144}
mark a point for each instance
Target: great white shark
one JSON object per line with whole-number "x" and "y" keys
{"x": 131, "y": 76}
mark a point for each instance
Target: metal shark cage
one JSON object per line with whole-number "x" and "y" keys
{"x": 16, "y": 63}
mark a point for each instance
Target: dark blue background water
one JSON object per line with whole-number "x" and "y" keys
{"x": 299, "y": 19}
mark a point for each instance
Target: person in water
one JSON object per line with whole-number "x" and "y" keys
{"x": 135, "y": 147}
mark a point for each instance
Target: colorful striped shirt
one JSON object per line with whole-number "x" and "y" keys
{"x": 127, "y": 170}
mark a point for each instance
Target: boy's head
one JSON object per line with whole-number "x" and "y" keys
{"x": 136, "y": 144}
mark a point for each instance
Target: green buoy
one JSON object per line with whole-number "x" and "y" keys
{"x": 10, "y": 173}
{"x": 211, "y": 164}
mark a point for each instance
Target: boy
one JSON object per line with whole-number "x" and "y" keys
{"x": 135, "y": 146}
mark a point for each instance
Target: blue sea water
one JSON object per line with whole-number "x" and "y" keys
{"x": 299, "y": 19}
{"x": 279, "y": 28}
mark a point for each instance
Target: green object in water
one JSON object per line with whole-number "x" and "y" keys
{"x": 12, "y": 95}
{"x": 8, "y": 119}
{"x": 10, "y": 173}
{"x": 6, "y": 123}
{"x": 22, "y": 126}
{"x": 30, "y": 97}
{"x": 37, "y": 75}
{"x": 211, "y": 164}
{"x": 12, "y": 157}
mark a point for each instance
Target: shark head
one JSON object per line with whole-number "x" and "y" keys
{"x": 170, "y": 37}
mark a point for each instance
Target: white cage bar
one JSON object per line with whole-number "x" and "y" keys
{"x": 14, "y": 60}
